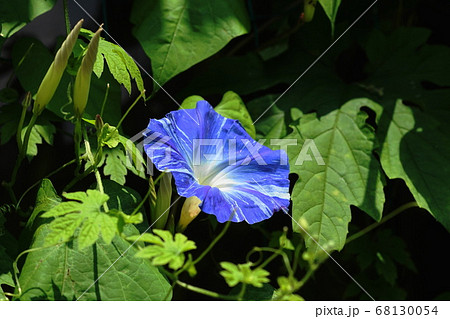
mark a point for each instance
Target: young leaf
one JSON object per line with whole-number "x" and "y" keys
{"x": 115, "y": 164}
{"x": 336, "y": 169}
{"x": 287, "y": 288}
{"x": 165, "y": 249}
{"x": 242, "y": 273}
{"x": 331, "y": 8}
{"x": 165, "y": 31}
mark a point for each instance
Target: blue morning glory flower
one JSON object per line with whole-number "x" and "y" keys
{"x": 218, "y": 162}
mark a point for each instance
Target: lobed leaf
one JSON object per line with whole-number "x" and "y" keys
{"x": 342, "y": 171}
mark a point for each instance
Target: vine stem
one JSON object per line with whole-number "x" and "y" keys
{"x": 204, "y": 291}
{"x": 66, "y": 16}
{"x": 130, "y": 108}
{"x": 20, "y": 126}
{"x": 94, "y": 165}
{"x": 213, "y": 243}
{"x": 77, "y": 141}
{"x": 382, "y": 221}
{"x": 40, "y": 180}
{"x": 22, "y": 154}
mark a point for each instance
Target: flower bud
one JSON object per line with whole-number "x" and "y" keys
{"x": 27, "y": 100}
{"x": 189, "y": 211}
{"x": 99, "y": 123}
{"x": 308, "y": 9}
{"x": 53, "y": 76}
{"x": 160, "y": 214}
{"x": 83, "y": 79}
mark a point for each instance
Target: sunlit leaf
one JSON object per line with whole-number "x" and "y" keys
{"x": 336, "y": 169}
{"x": 242, "y": 273}
{"x": 178, "y": 34}
{"x": 165, "y": 249}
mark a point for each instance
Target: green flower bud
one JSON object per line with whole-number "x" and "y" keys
{"x": 53, "y": 76}
{"x": 83, "y": 79}
{"x": 27, "y": 100}
{"x": 308, "y": 9}
{"x": 160, "y": 214}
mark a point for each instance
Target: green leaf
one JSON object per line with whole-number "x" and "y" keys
{"x": 8, "y": 251}
{"x": 8, "y": 95}
{"x": 9, "y": 119}
{"x": 169, "y": 36}
{"x": 115, "y": 164}
{"x": 43, "y": 129}
{"x": 265, "y": 293}
{"x": 331, "y": 8}
{"x": 384, "y": 251}
{"x": 46, "y": 199}
{"x": 232, "y": 107}
{"x": 84, "y": 211}
{"x": 191, "y": 102}
{"x": 392, "y": 56}
{"x": 14, "y": 15}
{"x": 336, "y": 169}
{"x": 109, "y": 136}
{"x": 288, "y": 285}
{"x": 121, "y": 65}
{"x": 416, "y": 148}
{"x": 63, "y": 273}
{"x": 272, "y": 123}
{"x": 242, "y": 273}
{"x": 164, "y": 248}
{"x": 136, "y": 163}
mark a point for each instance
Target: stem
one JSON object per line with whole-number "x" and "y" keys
{"x": 308, "y": 275}
{"x": 213, "y": 243}
{"x": 204, "y": 291}
{"x": 78, "y": 178}
{"x": 241, "y": 294}
{"x": 382, "y": 221}
{"x": 94, "y": 165}
{"x": 130, "y": 108}
{"x": 77, "y": 141}
{"x": 20, "y": 126}
{"x": 105, "y": 99}
{"x": 22, "y": 154}
{"x": 66, "y": 16}
{"x": 16, "y": 269}
{"x": 39, "y": 181}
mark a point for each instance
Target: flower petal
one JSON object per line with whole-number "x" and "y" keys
{"x": 217, "y": 161}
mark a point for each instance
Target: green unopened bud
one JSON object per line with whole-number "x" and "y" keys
{"x": 27, "y": 100}
{"x": 83, "y": 79}
{"x": 189, "y": 211}
{"x": 308, "y": 10}
{"x": 163, "y": 200}
{"x": 53, "y": 76}
{"x": 99, "y": 123}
